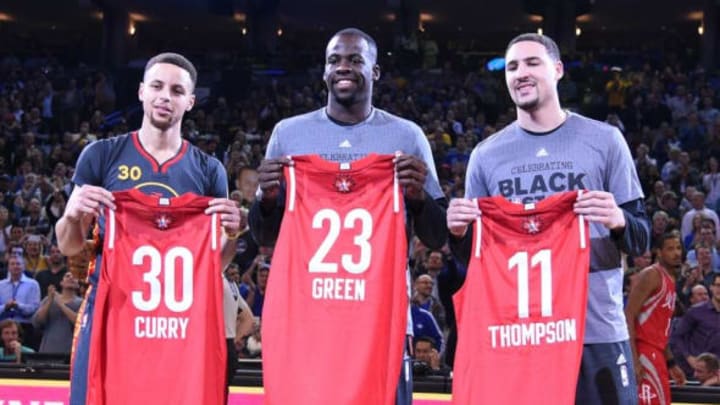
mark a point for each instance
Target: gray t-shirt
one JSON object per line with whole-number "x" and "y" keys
{"x": 580, "y": 154}
{"x": 57, "y": 329}
{"x": 381, "y": 132}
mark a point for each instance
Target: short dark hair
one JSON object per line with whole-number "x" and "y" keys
{"x": 547, "y": 42}
{"x": 660, "y": 242}
{"x": 362, "y": 34}
{"x": 174, "y": 59}
{"x": 424, "y": 338}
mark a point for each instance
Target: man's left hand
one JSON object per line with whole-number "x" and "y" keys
{"x": 411, "y": 174}
{"x": 231, "y": 218}
{"x": 600, "y": 206}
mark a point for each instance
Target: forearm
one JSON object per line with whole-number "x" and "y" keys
{"x": 69, "y": 313}
{"x": 634, "y": 238}
{"x": 229, "y": 248}
{"x": 71, "y": 235}
{"x": 245, "y": 324}
{"x": 461, "y": 247}
{"x": 429, "y": 220}
{"x": 265, "y": 219}
{"x": 40, "y": 316}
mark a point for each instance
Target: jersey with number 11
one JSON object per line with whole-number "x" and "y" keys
{"x": 521, "y": 311}
{"x": 335, "y": 312}
{"x": 159, "y": 333}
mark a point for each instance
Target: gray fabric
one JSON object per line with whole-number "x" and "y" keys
{"x": 57, "y": 329}
{"x": 580, "y": 154}
{"x": 381, "y": 132}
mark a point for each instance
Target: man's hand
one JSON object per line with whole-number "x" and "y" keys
{"x": 411, "y": 174}
{"x": 434, "y": 359}
{"x": 460, "y": 214}
{"x": 86, "y": 202}
{"x": 677, "y": 375}
{"x": 229, "y": 211}
{"x": 270, "y": 175}
{"x": 600, "y": 206}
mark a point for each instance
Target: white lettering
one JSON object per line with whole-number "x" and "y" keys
{"x": 160, "y": 327}
{"x": 533, "y": 334}
{"x": 339, "y": 289}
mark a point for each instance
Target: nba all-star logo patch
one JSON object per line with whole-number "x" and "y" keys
{"x": 532, "y": 224}
{"x": 162, "y": 221}
{"x": 344, "y": 183}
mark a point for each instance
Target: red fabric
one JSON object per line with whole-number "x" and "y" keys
{"x": 654, "y": 387}
{"x": 334, "y": 332}
{"x": 493, "y": 359}
{"x": 183, "y": 364}
{"x": 652, "y": 325}
{"x": 652, "y": 328}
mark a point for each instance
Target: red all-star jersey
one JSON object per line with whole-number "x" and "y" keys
{"x": 159, "y": 302}
{"x": 521, "y": 311}
{"x": 335, "y": 312}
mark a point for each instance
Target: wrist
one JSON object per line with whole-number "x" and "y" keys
{"x": 671, "y": 363}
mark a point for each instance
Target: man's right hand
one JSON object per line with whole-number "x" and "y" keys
{"x": 460, "y": 214}
{"x": 270, "y": 174}
{"x": 87, "y": 201}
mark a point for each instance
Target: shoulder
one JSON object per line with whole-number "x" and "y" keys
{"x": 109, "y": 144}
{"x": 206, "y": 161}
{"x": 301, "y": 120}
{"x": 497, "y": 139}
{"x": 590, "y": 127}
{"x": 382, "y": 117}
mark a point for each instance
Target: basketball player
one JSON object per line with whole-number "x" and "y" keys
{"x": 347, "y": 129}
{"x": 549, "y": 150}
{"x": 155, "y": 160}
{"x": 649, "y": 310}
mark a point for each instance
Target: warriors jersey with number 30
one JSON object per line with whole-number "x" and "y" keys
{"x": 159, "y": 302}
{"x": 521, "y": 311}
{"x": 335, "y": 315}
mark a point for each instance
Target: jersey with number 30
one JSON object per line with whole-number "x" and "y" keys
{"x": 335, "y": 313}
{"x": 521, "y": 311}
{"x": 159, "y": 303}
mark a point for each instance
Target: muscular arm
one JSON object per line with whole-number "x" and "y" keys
{"x": 71, "y": 235}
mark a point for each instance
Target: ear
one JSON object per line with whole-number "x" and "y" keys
{"x": 141, "y": 87}
{"x": 376, "y": 72}
{"x": 559, "y": 70}
{"x": 191, "y": 103}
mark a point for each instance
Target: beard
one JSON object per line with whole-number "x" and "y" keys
{"x": 528, "y": 105}
{"x": 161, "y": 124}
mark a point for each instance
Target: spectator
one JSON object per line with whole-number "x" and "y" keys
{"x": 35, "y": 261}
{"x": 253, "y": 291}
{"x": 19, "y": 297}
{"x": 423, "y": 297}
{"x": 427, "y": 358}
{"x": 694, "y": 235}
{"x": 698, "y": 330}
{"x": 57, "y": 314}
{"x": 55, "y": 273}
{"x": 707, "y": 238}
{"x": 12, "y": 347}
{"x": 707, "y": 370}
{"x": 698, "y": 294}
{"x": 711, "y": 184}
{"x": 424, "y": 324}
{"x": 698, "y": 206}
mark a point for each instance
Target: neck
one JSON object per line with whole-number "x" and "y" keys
{"x": 56, "y": 268}
{"x": 15, "y": 277}
{"x": 67, "y": 293}
{"x": 542, "y": 119}
{"x": 157, "y": 141}
{"x": 351, "y": 114}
